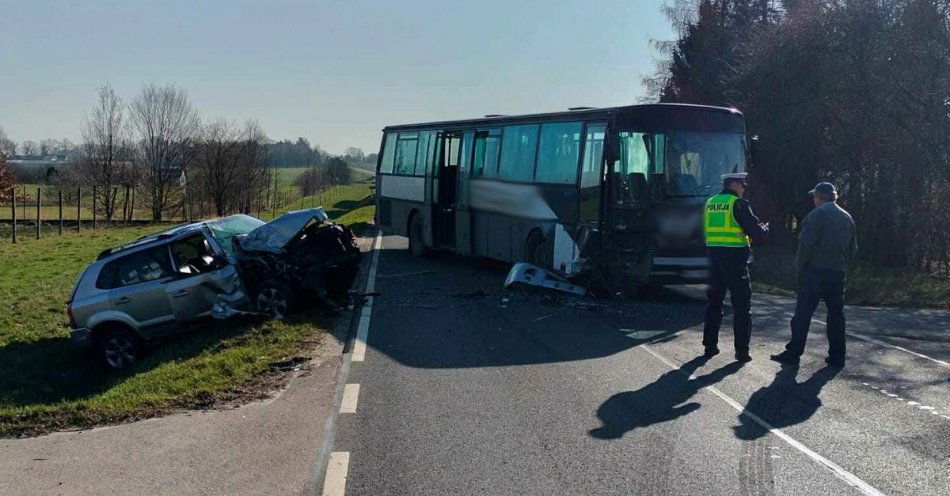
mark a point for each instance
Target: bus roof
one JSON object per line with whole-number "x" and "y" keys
{"x": 624, "y": 113}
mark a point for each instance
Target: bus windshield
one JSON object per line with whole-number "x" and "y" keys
{"x": 696, "y": 161}
{"x": 679, "y": 163}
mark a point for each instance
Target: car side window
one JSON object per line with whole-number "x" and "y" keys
{"x": 193, "y": 255}
{"x": 138, "y": 267}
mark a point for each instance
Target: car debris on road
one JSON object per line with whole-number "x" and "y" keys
{"x": 525, "y": 273}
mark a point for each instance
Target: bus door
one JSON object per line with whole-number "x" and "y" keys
{"x": 463, "y": 216}
{"x": 446, "y": 174}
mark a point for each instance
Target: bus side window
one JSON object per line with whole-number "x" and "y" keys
{"x": 486, "y": 153}
{"x": 519, "y": 144}
{"x": 389, "y": 151}
{"x": 558, "y": 152}
{"x": 591, "y": 169}
{"x": 406, "y": 153}
{"x": 424, "y": 152}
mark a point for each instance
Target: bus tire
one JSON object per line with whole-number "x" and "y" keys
{"x": 417, "y": 243}
{"x": 536, "y": 249}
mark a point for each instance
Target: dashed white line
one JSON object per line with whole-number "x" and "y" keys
{"x": 931, "y": 409}
{"x": 362, "y": 328}
{"x": 351, "y": 394}
{"x": 335, "y": 483}
{"x": 889, "y": 345}
{"x": 836, "y": 469}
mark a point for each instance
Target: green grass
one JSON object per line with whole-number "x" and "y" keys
{"x": 350, "y": 204}
{"x": 871, "y": 286}
{"x": 46, "y": 385}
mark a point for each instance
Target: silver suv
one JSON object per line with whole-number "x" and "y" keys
{"x": 174, "y": 280}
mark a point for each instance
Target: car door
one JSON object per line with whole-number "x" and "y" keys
{"x": 195, "y": 287}
{"x": 138, "y": 289}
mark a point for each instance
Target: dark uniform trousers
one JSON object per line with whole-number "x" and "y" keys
{"x": 814, "y": 285}
{"x": 729, "y": 270}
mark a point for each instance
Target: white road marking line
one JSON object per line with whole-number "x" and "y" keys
{"x": 335, "y": 483}
{"x": 362, "y": 328}
{"x": 836, "y": 469}
{"x": 888, "y": 345}
{"x": 931, "y": 409}
{"x": 351, "y": 394}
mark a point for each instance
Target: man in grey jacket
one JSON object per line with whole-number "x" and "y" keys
{"x": 826, "y": 247}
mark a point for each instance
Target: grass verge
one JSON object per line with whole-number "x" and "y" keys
{"x": 872, "y": 286}
{"x": 47, "y": 385}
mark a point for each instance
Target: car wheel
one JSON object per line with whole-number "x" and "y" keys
{"x": 273, "y": 298}
{"x": 119, "y": 348}
{"x": 417, "y": 244}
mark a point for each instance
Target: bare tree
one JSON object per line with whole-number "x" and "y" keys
{"x": 164, "y": 125}
{"x": 30, "y": 147}
{"x": 255, "y": 172}
{"x": 106, "y": 150}
{"x": 215, "y": 169}
{"x": 7, "y": 146}
{"x": 355, "y": 153}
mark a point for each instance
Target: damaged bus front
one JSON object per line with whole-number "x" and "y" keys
{"x": 611, "y": 196}
{"x": 662, "y": 163}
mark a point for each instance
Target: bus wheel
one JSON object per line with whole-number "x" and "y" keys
{"x": 417, "y": 244}
{"x": 536, "y": 249}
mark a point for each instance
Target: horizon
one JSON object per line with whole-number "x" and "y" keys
{"x": 379, "y": 74}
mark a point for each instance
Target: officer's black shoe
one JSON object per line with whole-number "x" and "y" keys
{"x": 835, "y": 362}
{"x": 786, "y": 358}
{"x": 711, "y": 352}
{"x": 743, "y": 357}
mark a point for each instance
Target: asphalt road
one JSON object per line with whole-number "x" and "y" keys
{"x": 466, "y": 388}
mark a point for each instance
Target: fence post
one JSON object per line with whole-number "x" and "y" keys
{"x": 61, "y": 212}
{"x": 125, "y": 207}
{"x": 13, "y": 206}
{"x": 132, "y": 205}
{"x": 38, "y": 210}
{"x": 95, "y": 198}
{"x": 79, "y": 209}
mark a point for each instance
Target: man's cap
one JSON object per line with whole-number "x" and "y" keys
{"x": 826, "y": 189}
{"x": 735, "y": 176}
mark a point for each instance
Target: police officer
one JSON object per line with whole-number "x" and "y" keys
{"x": 728, "y": 224}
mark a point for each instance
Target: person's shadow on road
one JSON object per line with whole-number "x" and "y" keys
{"x": 784, "y": 402}
{"x": 660, "y": 401}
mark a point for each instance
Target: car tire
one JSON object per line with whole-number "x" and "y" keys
{"x": 273, "y": 299}
{"x": 118, "y": 348}
{"x": 417, "y": 244}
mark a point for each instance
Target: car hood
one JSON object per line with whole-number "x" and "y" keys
{"x": 274, "y": 236}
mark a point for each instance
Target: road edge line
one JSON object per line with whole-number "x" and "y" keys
{"x": 366, "y": 312}
{"x": 319, "y": 470}
{"x": 839, "y": 471}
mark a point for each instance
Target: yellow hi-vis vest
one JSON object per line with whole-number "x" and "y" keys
{"x": 719, "y": 224}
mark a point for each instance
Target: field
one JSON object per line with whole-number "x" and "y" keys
{"x": 47, "y": 385}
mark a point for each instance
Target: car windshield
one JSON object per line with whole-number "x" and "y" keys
{"x": 228, "y": 227}
{"x": 695, "y": 162}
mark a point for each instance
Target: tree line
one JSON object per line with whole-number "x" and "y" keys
{"x": 157, "y": 150}
{"x": 852, "y": 91}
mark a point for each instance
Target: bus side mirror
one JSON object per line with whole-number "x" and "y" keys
{"x": 612, "y": 151}
{"x": 754, "y": 149}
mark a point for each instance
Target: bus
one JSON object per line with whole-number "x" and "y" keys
{"x": 611, "y": 194}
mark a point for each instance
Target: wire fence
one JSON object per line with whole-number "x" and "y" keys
{"x": 30, "y": 211}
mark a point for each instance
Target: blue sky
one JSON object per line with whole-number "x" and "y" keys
{"x": 334, "y": 72}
